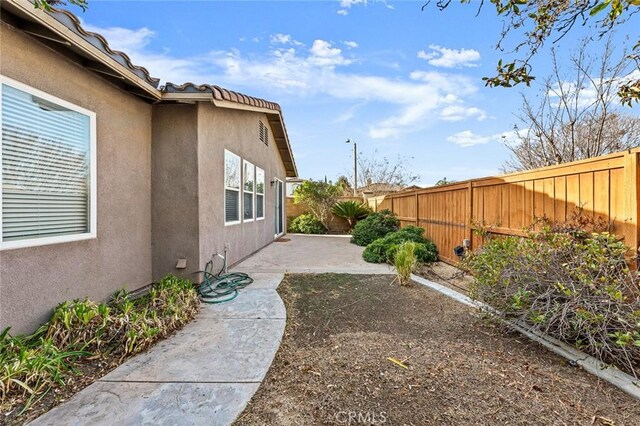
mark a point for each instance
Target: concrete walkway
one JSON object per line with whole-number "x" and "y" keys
{"x": 313, "y": 254}
{"x": 207, "y": 372}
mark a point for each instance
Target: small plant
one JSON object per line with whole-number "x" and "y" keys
{"x": 31, "y": 365}
{"x": 384, "y": 249}
{"x": 375, "y": 226}
{"x": 573, "y": 285}
{"x": 352, "y": 211}
{"x": 405, "y": 262}
{"x": 307, "y": 224}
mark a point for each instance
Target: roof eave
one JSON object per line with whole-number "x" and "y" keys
{"x": 274, "y": 117}
{"x": 53, "y": 22}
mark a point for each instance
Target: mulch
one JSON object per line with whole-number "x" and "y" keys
{"x": 333, "y": 365}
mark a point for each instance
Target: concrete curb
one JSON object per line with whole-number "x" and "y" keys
{"x": 617, "y": 378}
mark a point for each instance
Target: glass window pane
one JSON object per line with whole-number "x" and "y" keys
{"x": 249, "y": 171}
{"x": 232, "y": 206}
{"x": 259, "y": 180}
{"x": 248, "y": 205}
{"x": 231, "y": 170}
{"x": 45, "y": 168}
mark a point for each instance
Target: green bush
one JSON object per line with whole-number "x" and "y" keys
{"x": 575, "y": 286}
{"x": 30, "y": 365}
{"x": 352, "y": 211}
{"x": 375, "y": 226}
{"x": 307, "y": 224}
{"x": 384, "y": 249}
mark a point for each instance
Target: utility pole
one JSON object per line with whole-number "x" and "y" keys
{"x": 355, "y": 167}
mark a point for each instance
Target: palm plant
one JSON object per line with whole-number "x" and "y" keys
{"x": 352, "y": 211}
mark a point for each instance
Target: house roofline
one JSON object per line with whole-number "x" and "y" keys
{"x": 92, "y": 50}
{"x": 223, "y": 98}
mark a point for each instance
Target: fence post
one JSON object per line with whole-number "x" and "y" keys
{"x": 631, "y": 206}
{"x": 417, "y": 210}
{"x": 470, "y": 213}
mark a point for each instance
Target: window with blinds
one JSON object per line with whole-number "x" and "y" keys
{"x": 48, "y": 168}
{"x": 259, "y": 193}
{"x": 248, "y": 189}
{"x": 231, "y": 187}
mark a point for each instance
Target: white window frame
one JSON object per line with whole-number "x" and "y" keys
{"x": 240, "y": 189}
{"x": 264, "y": 194}
{"x": 93, "y": 185}
{"x": 253, "y": 192}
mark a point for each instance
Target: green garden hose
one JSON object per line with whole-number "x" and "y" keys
{"x": 219, "y": 288}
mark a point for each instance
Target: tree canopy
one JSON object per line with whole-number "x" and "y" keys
{"x": 540, "y": 21}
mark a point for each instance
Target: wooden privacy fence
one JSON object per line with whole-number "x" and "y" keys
{"x": 336, "y": 224}
{"x": 606, "y": 187}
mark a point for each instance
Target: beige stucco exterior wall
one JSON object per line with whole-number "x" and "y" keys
{"x": 188, "y": 185}
{"x": 238, "y": 132}
{"x": 33, "y": 280}
{"x": 175, "y": 189}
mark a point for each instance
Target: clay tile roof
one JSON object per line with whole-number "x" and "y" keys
{"x": 73, "y": 23}
{"x": 220, "y": 94}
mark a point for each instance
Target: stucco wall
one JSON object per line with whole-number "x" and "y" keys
{"x": 34, "y": 280}
{"x": 188, "y": 185}
{"x": 238, "y": 132}
{"x": 175, "y": 189}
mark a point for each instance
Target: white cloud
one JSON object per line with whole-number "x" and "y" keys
{"x": 284, "y": 39}
{"x": 160, "y": 64}
{"x": 350, "y": 44}
{"x": 402, "y": 104}
{"x": 450, "y": 58}
{"x": 347, "y": 4}
{"x": 455, "y": 113}
{"x": 324, "y": 54}
{"x": 467, "y": 138}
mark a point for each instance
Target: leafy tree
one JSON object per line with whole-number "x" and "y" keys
{"x": 49, "y": 4}
{"x": 318, "y": 197}
{"x": 575, "y": 116}
{"x": 543, "y": 20}
{"x": 444, "y": 181}
{"x": 380, "y": 174}
{"x": 344, "y": 183}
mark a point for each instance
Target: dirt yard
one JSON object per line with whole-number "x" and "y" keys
{"x": 333, "y": 366}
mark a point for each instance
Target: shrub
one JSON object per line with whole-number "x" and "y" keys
{"x": 384, "y": 249}
{"x": 405, "y": 261}
{"x": 573, "y": 286}
{"x": 375, "y": 226}
{"x": 318, "y": 197}
{"x": 351, "y": 210}
{"x": 307, "y": 224}
{"x": 32, "y": 364}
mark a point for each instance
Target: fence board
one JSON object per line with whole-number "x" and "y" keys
{"x": 508, "y": 204}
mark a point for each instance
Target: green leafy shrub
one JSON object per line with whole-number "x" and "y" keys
{"x": 375, "y": 226}
{"x": 318, "y": 197}
{"x": 574, "y": 286}
{"x": 384, "y": 249}
{"x": 352, "y": 211}
{"x": 30, "y": 365}
{"x": 405, "y": 261}
{"x": 307, "y": 224}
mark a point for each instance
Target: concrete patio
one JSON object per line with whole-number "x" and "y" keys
{"x": 208, "y": 371}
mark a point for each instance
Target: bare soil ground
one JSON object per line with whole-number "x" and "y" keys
{"x": 333, "y": 365}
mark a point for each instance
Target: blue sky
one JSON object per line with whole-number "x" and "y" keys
{"x": 397, "y": 80}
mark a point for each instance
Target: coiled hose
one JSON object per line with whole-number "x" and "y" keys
{"x": 219, "y": 288}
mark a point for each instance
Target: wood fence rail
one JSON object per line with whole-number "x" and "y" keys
{"x": 606, "y": 187}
